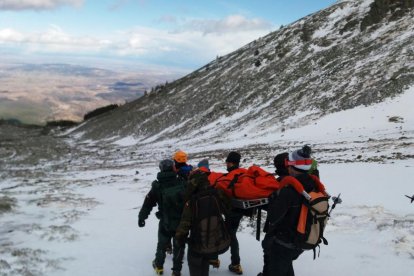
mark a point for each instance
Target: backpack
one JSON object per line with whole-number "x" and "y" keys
{"x": 209, "y": 234}
{"x": 172, "y": 197}
{"x": 312, "y": 221}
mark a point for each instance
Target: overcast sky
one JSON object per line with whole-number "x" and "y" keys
{"x": 171, "y": 33}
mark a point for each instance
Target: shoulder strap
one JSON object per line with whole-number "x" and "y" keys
{"x": 233, "y": 182}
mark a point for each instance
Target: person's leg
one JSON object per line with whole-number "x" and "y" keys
{"x": 205, "y": 266}
{"x": 294, "y": 254}
{"x": 233, "y": 223}
{"x": 277, "y": 259}
{"x": 163, "y": 239}
{"x": 197, "y": 265}
{"x": 266, "y": 245}
{"x": 178, "y": 255}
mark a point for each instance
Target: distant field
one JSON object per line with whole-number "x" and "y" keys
{"x": 26, "y": 112}
{"x": 36, "y": 93}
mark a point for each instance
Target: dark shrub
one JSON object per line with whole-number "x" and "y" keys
{"x": 100, "y": 111}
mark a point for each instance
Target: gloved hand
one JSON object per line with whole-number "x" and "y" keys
{"x": 141, "y": 222}
{"x": 180, "y": 242}
{"x": 158, "y": 214}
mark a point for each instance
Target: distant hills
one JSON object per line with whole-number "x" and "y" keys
{"x": 36, "y": 93}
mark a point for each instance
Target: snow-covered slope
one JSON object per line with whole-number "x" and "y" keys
{"x": 350, "y": 54}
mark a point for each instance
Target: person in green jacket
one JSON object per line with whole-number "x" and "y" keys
{"x": 167, "y": 193}
{"x": 203, "y": 218}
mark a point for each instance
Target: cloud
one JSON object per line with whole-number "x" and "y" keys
{"x": 53, "y": 39}
{"x": 171, "y": 19}
{"x": 191, "y": 45}
{"x": 19, "y": 5}
{"x": 229, "y": 24}
{"x": 10, "y": 35}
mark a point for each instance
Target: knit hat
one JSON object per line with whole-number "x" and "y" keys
{"x": 203, "y": 165}
{"x": 180, "y": 156}
{"x": 233, "y": 157}
{"x": 280, "y": 164}
{"x": 166, "y": 165}
{"x": 300, "y": 159}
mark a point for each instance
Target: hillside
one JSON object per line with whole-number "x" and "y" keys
{"x": 354, "y": 53}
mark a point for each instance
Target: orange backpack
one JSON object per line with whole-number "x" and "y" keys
{"x": 312, "y": 221}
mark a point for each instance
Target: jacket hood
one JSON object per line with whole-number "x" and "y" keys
{"x": 166, "y": 176}
{"x": 307, "y": 182}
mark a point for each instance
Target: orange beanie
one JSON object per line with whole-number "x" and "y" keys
{"x": 180, "y": 156}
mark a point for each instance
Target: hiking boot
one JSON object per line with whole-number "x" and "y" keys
{"x": 176, "y": 273}
{"x": 168, "y": 249}
{"x": 158, "y": 270}
{"x": 236, "y": 269}
{"x": 214, "y": 263}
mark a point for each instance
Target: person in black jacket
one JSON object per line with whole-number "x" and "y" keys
{"x": 279, "y": 249}
{"x": 167, "y": 177}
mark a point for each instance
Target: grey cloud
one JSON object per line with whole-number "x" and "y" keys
{"x": 118, "y": 4}
{"x": 20, "y": 5}
{"x": 232, "y": 23}
{"x": 168, "y": 19}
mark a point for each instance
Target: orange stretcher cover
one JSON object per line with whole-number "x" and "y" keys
{"x": 254, "y": 182}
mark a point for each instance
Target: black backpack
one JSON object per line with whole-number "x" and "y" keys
{"x": 209, "y": 234}
{"x": 172, "y": 197}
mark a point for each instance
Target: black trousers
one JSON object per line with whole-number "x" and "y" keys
{"x": 232, "y": 223}
{"x": 164, "y": 238}
{"x": 278, "y": 258}
{"x": 198, "y": 264}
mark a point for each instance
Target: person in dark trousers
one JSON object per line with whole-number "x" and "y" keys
{"x": 279, "y": 249}
{"x": 166, "y": 177}
{"x": 180, "y": 162}
{"x": 205, "y": 204}
{"x": 234, "y": 218}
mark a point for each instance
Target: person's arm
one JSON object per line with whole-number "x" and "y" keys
{"x": 185, "y": 224}
{"x": 278, "y": 207}
{"x": 150, "y": 202}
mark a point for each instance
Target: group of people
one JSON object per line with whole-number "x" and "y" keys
{"x": 190, "y": 205}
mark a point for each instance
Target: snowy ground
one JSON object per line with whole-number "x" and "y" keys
{"x": 88, "y": 225}
{"x": 74, "y": 210}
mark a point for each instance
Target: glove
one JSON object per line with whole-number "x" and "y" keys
{"x": 141, "y": 223}
{"x": 158, "y": 215}
{"x": 180, "y": 242}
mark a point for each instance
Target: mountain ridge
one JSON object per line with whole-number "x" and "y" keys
{"x": 323, "y": 63}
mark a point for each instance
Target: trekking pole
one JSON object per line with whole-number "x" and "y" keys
{"x": 336, "y": 200}
{"x": 410, "y": 197}
{"x": 258, "y": 225}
